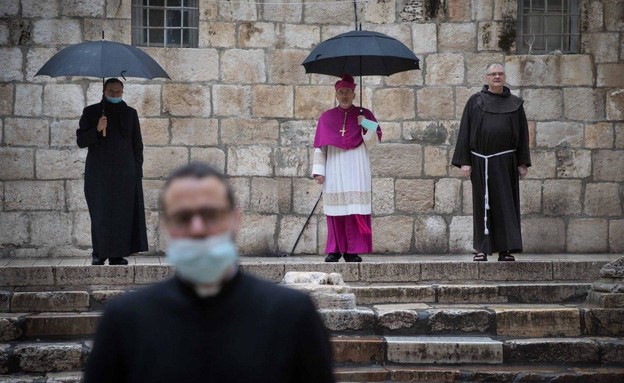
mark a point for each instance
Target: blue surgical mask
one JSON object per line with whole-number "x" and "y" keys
{"x": 114, "y": 100}
{"x": 202, "y": 261}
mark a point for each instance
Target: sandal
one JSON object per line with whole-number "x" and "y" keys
{"x": 480, "y": 257}
{"x": 505, "y": 256}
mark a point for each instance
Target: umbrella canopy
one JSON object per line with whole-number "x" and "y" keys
{"x": 360, "y": 53}
{"x": 102, "y": 59}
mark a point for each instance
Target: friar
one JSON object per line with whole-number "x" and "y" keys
{"x": 493, "y": 150}
{"x": 113, "y": 176}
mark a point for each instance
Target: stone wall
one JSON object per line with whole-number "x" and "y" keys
{"x": 243, "y": 103}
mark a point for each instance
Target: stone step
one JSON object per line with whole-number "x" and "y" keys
{"x": 66, "y": 356}
{"x": 479, "y": 373}
{"x": 58, "y": 274}
{"x": 520, "y": 320}
{"x": 369, "y": 294}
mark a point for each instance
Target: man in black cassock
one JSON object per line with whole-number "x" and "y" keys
{"x": 493, "y": 150}
{"x": 113, "y": 176}
{"x": 211, "y": 322}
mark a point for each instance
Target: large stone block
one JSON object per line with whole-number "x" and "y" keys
{"x": 584, "y": 104}
{"x": 286, "y": 11}
{"x": 60, "y": 164}
{"x": 602, "y": 199}
{"x": 256, "y": 35}
{"x": 245, "y": 10}
{"x": 26, "y": 132}
{"x": 294, "y": 133}
{"x": 461, "y": 234}
{"x": 272, "y": 101}
{"x": 217, "y": 34}
{"x": 609, "y": 75}
{"x": 467, "y": 197}
{"x": 469, "y": 294}
{"x": 13, "y": 228}
{"x": 396, "y": 160}
{"x": 11, "y": 328}
{"x": 63, "y": 133}
{"x": 435, "y": 103}
{"x": 516, "y": 271}
{"x": 562, "y": 197}
{"x": 250, "y": 161}
{"x": 299, "y": 36}
{"x": 51, "y": 229}
{"x": 380, "y": 12}
{"x": 366, "y": 295}
{"x": 587, "y": 235}
{"x": 42, "y": 357}
{"x": 559, "y": 134}
{"x": 619, "y": 135}
{"x": 144, "y": 98}
{"x": 573, "y": 163}
{"x": 357, "y": 350}
{"x": 38, "y": 9}
{"x": 12, "y": 59}
{"x": 543, "y": 235}
{"x": 390, "y": 272}
{"x": 336, "y": 13}
{"x": 436, "y": 161}
{"x": 415, "y": 195}
{"x": 75, "y": 195}
{"x": 605, "y": 322}
{"x": 608, "y": 165}
{"x": 120, "y": 9}
{"x": 94, "y": 275}
{"x": 114, "y": 29}
{"x": 599, "y": 136}
{"x": 430, "y": 235}
{"x": 458, "y": 320}
{"x": 305, "y": 195}
{"x": 264, "y": 195}
{"x": 538, "y": 322}
{"x": 291, "y": 162}
{"x": 542, "y": 104}
{"x": 394, "y": 103}
{"x": 159, "y": 162}
{"x": 457, "y": 37}
{"x": 348, "y": 320}
{"x": 538, "y": 70}
{"x": 601, "y": 46}
{"x": 447, "y": 350}
{"x": 27, "y": 276}
{"x": 616, "y": 236}
{"x": 559, "y": 350}
{"x": 81, "y": 233}
{"x": 482, "y": 9}
{"x": 289, "y": 229}
{"x": 383, "y": 196}
{"x": 546, "y": 292}
{"x": 444, "y": 69}
{"x": 615, "y": 105}
{"x": 530, "y": 197}
{"x": 61, "y": 324}
{"x": 154, "y": 131}
{"x": 543, "y": 164}
{"x": 242, "y": 191}
{"x": 35, "y": 59}
{"x": 312, "y": 101}
{"x": 28, "y": 100}
{"x": 476, "y": 65}
{"x": 208, "y": 10}
{"x": 72, "y": 104}
{"x": 447, "y": 195}
{"x": 186, "y": 100}
{"x": 425, "y": 38}
{"x": 82, "y": 8}
{"x": 489, "y": 35}
{"x": 576, "y": 70}
{"x": 257, "y": 234}
{"x": 243, "y": 66}
{"x": 249, "y": 131}
{"x": 284, "y": 66}
{"x": 43, "y": 301}
{"x": 34, "y": 195}
{"x": 194, "y": 131}
{"x": 6, "y": 99}
{"x": 613, "y": 15}
{"x": 392, "y": 234}
{"x": 394, "y": 319}
{"x": 56, "y": 31}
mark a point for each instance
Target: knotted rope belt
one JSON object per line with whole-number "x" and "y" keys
{"x": 486, "y": 200}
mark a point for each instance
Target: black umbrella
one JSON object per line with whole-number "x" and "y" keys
{"x": 360, "y": 53}
{"x": 102, "y": 59}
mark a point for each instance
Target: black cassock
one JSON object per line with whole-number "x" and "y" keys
{"x": 491, "y": 124}
{"x": 113, "y": 180}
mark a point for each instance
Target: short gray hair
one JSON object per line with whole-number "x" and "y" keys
{"x": 494, "y": 64}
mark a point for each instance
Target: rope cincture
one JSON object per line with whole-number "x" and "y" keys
{"x": 486, "y": 198}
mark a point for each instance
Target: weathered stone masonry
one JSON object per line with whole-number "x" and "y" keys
{"x": 242, "y": 102}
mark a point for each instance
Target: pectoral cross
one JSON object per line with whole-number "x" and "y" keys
{"x": 344, "y": 125}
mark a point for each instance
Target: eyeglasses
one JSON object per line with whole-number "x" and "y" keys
{"x": 496, "y": 74}
{"x": 210, "y": 216}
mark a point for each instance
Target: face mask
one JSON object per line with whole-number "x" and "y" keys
{"x": 202, "y": 261}
{"x": 114, "y": 100}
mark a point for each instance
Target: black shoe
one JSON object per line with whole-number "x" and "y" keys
{"x": 97, "y": 261}
{"x": 333, "y": 257}
{"x": 117, "y": 261}
{"x": 352, "y": 258}
{"x": 505, "y": 256}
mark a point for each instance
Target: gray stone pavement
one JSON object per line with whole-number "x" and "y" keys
{"x": 374, "y": 258}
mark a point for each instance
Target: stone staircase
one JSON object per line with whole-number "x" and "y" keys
{"x": 416, "y": 318}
